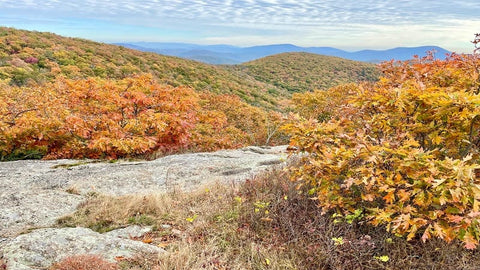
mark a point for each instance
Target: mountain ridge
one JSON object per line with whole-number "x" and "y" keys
{"x": 229, "y": 54}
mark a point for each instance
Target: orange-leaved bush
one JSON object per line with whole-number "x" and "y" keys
{"x": 402, "y": 153}
{"x": 135, "y": 116}
{"x": 97, "y": 118}
{"x": 227, "y": 122}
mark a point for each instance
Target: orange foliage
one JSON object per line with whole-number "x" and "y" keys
{"x": 99, "y": 118}
{"x": 240, "y": 123}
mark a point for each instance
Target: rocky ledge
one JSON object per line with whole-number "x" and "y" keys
{"x": 34, "y": 194}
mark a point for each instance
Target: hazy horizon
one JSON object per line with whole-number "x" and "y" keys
{"x": 270, "y": 44}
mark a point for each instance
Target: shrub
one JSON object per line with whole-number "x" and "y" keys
{"x": 403, "y": 152}
{"x": 136, "y": 116}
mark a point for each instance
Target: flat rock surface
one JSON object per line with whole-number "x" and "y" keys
{"x": 34, "y": 193}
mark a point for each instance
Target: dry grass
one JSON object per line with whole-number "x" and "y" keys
{"x": 262, "y": 224}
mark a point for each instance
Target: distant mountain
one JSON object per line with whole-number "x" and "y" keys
{"x": 227, "y": 54}
{"x": 210, "y": 54}
{"x": 400, "y": 53}
{"x": 300, "y": 72}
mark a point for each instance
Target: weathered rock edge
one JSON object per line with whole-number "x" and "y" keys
{"x": 43, "y": 247}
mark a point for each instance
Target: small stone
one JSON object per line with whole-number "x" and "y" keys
{"x": 129, "y": 232}
{"x": 166, "y": 226}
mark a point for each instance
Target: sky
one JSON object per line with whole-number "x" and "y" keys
{"x": 344, "y": 24}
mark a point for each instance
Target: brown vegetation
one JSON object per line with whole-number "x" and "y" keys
{"x": 84, "y": 262}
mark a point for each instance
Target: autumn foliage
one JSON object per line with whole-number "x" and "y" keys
{"x": 34, "y": 58}
{"x": 401, "y": 153}
{"x": 135, "y": 116}
{"x": 298, "y": 72}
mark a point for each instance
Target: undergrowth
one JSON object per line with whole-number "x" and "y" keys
{"x": 265, "y": 223}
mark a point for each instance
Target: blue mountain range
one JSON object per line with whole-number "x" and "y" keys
{"x": 227, "y": 54}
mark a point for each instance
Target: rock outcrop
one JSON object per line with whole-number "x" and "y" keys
{"x": 34, "y": 194}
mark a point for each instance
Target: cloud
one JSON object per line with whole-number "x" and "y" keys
{"x": 305, "y": 20}
{"x": 258, "y": 11}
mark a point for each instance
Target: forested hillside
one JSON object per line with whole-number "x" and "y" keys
{"x": 300, "y": 72}
{"x": 28, "y": 58}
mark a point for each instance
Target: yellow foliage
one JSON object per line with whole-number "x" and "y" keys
{"x": 404, "y": 150}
